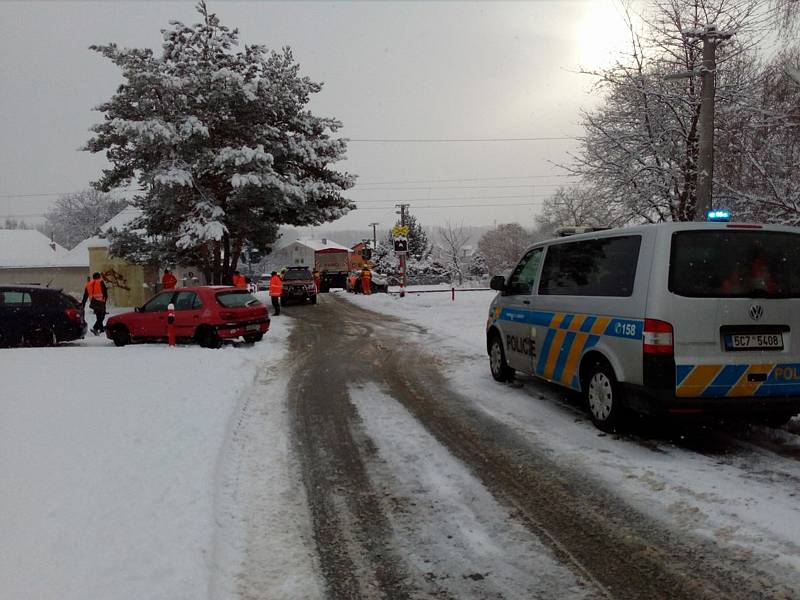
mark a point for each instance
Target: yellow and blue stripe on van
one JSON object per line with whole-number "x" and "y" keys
{"x": 737, "y": 381}
{"x": 568, "y": 338}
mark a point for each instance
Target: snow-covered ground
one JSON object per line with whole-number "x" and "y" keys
{"x": 126, "y": 471}
{"x": 744, "y": 499}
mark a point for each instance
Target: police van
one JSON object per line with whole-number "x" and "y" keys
{"x": 675, "y": 318}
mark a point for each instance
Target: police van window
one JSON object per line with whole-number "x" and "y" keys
{"x": 730, "y": 263}
{"x": 521, "y": 280}
{"x": 601, "y": 267}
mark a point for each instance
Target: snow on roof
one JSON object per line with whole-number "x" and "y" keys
{"x": 27, "y": 248}
{"x": 122, "y": 218}
{"x": 317, "y": 245}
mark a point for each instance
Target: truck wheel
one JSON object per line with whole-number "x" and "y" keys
{"x": 603, "y": 396}
{"x": 497, "y": 360}
{"x": 252, "y": 338}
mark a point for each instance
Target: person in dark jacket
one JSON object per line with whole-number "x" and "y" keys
{"x": 97, "y": 295}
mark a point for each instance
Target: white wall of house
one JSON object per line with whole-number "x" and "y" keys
{"x": 70, "y": 279}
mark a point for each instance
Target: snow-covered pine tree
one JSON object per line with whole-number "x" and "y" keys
{"x": 478, "y": 267}
{"x": 418, "y": 244}
{"x": 222, "y": 144}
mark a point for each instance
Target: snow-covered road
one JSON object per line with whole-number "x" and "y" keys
{"x": 739, "y": 490}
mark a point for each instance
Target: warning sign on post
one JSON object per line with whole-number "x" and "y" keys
{"x": 400, "y": 245}
{"x": 400, "y": 231}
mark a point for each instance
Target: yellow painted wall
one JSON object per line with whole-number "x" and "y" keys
{"x": 128, "y": 285}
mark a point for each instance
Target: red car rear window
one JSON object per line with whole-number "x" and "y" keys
{"x": 237, "y": 299}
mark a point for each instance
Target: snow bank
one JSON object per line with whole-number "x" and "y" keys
{"x": 109, "y": 462}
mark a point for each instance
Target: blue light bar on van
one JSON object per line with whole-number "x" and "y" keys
{"x": 718, "y": 215}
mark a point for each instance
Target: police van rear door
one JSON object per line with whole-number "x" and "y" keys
{"x": 735, "y": 310}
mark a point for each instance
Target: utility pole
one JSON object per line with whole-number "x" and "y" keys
{"x": 403, "y": 278}
{"x": 374, "y": 236}
{"x": 705, "y": 159}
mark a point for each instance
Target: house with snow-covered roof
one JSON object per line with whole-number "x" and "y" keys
{"x": 301, "y": 253}
{"x": 28, "y": 257}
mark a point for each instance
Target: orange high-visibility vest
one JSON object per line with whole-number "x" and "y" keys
{"x": 94, "y": 289}
{"x": 240, "y": 281}
{"x": 275, "y": 286}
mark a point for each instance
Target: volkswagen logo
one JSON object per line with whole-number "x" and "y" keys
{"x": 756, "y": 312}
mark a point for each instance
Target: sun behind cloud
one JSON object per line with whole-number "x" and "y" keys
{"x": 602, "y": 34}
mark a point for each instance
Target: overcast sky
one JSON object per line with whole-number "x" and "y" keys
{"x": 392, "y": 70}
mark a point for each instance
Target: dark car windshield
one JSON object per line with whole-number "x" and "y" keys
{"x": 295, "y": 274}
{"x": 237, "y": 299}
{"x": 735, "y": 264}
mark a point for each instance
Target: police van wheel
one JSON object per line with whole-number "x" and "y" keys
{"x": 497, "y": 361}
{"x": 603, "y": 397}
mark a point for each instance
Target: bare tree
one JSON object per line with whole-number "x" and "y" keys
{"x": 454, "y": 240}
{"x": 502, "y": 247}
{"x": 12, "y": 223}
{"x": 75, "y": 217}
{"x": 640, "y": 150}
{"x": 578, "y": 205}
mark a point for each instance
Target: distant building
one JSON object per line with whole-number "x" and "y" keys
{"x": 357, "y": 255}
{"x": 300, "y": 253}
{"x": 28, "y": 256}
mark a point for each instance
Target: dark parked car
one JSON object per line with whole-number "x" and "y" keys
{"x": 203, "y": 314}
{"x": 298, "y": 284}
{"x": 38, "y": 316}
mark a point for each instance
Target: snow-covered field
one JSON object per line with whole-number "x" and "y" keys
{"x": 746, "y": 499}
{"x": 125, "y": 470}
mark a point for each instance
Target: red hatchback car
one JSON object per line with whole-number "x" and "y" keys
{"x": 204, "y": 314}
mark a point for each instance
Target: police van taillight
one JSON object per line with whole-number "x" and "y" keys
{"x": 657, "y": 337}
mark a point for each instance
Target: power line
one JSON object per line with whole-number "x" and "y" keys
{"x": 530, "y": 204}
{"x": 526, "y": 196}
{"x": 456, "y": 187}
{"x": 358, "y": 185}
{"x": 464, "y": 179}
{"x": 456, "y": 140}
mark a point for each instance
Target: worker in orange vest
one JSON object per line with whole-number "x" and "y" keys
{"x": 317, "y": 279}
{"x": 97, "y": 295}
{"x": 168, "y": 280}
{"x": 275, "y": 291}
{"x": 239, "y": 280}
{"x": 366, "y": 280}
